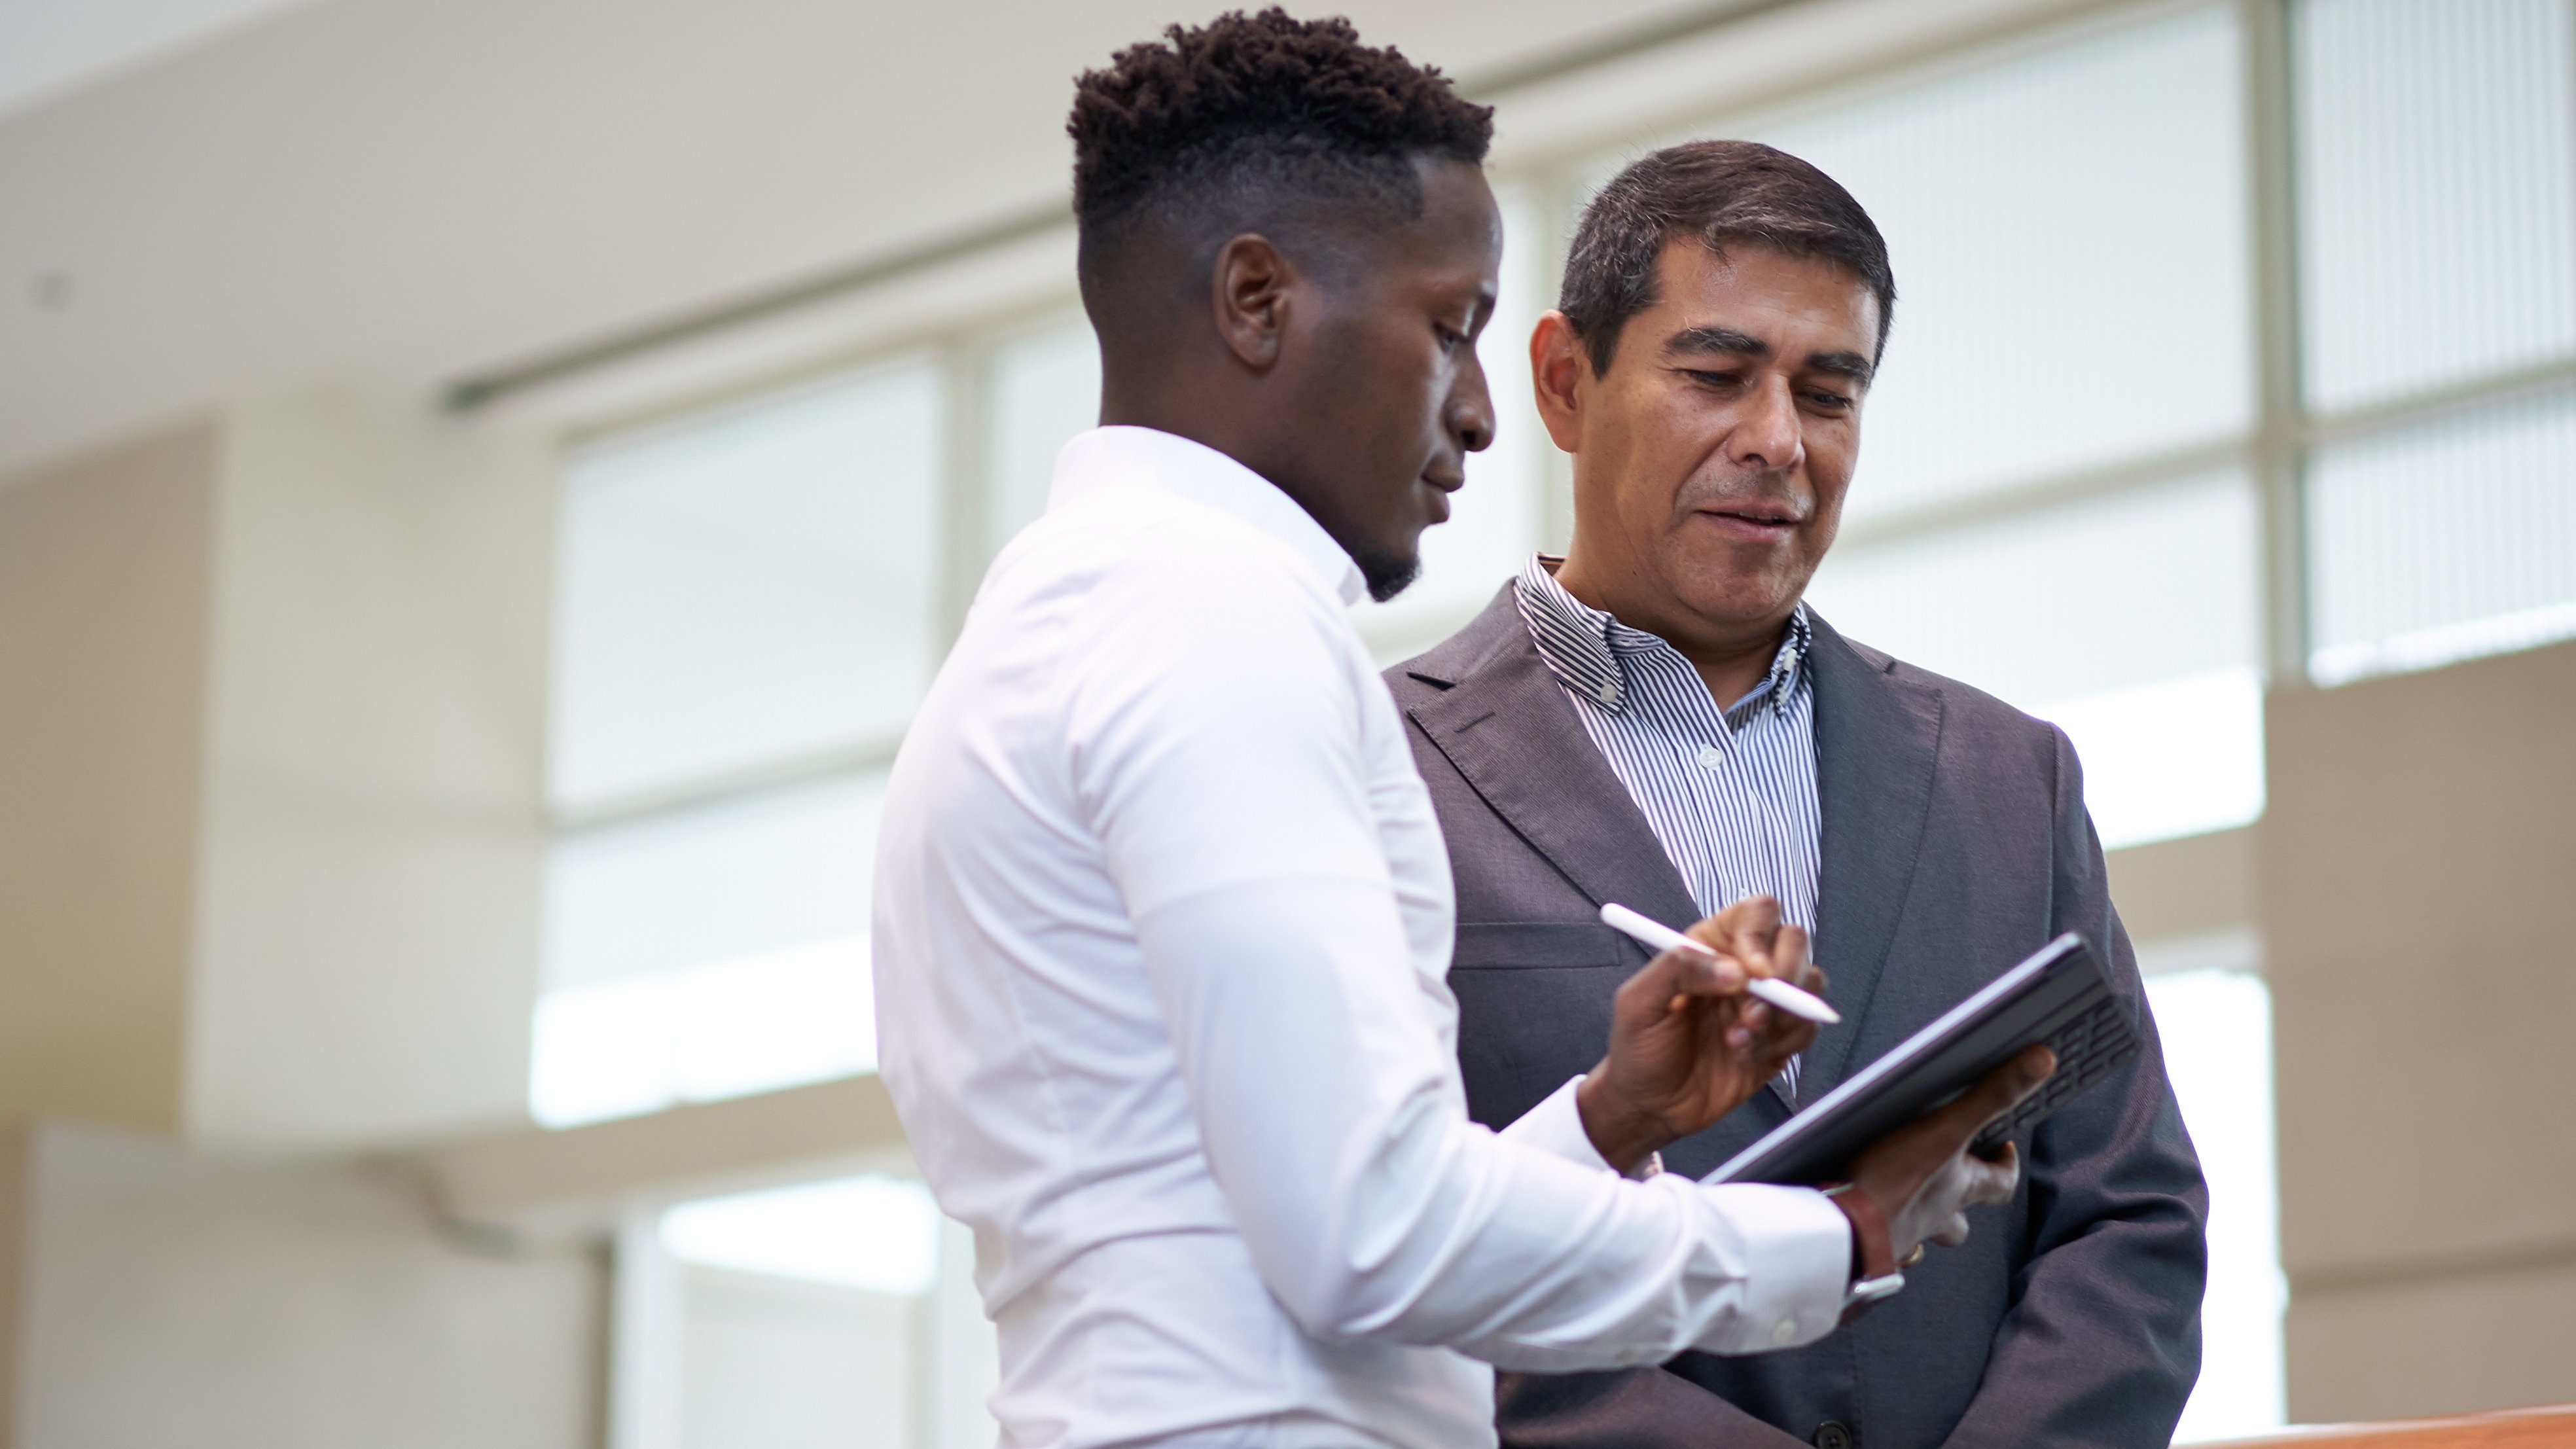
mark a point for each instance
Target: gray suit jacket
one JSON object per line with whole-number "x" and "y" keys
{"x": 1955, "y": 843}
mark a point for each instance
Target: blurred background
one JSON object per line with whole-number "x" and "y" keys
{"x": 484, "y": 483}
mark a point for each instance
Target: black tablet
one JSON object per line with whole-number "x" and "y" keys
{"x": 2058, "y": 997}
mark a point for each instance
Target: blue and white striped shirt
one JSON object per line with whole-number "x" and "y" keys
{"x": 1730, "y": 794}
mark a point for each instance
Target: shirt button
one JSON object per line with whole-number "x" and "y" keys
{"x": 1711, "y": 757}
{"x": 1831, "y": 1434}
{"x": 1788, "y": 1329}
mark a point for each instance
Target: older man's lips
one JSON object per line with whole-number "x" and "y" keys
{"x": 1751, "y": 525}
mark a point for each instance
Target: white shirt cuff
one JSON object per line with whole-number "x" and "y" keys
{"x": 1555, "y": 1127}
{"x": 1802, "y": 1244}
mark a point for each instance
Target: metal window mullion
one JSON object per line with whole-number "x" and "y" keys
{"x": 2051, "y": 491}
{"x": 2280, "y": 428}
{"x": 966, "y": 485}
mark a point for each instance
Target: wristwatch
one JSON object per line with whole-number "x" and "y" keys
{"x": 1875, "y": 1272}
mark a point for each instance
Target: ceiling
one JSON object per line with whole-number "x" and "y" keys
{"x": 417, "y": 188}
{"x": 48, "y": 47}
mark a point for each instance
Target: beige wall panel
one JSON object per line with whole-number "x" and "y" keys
{"x": 177, "y": 1300}
{"x": 2495, "y": 1340}
{"x": 367, "y": 927}
{"x": 2189, "y": 887}
{"x": 14, "y": 1147}
{"x": 2416, "y": 863}
{"x": 103, "y": 585}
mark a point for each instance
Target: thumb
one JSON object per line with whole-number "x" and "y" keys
{"x": 1991, "y": 1181}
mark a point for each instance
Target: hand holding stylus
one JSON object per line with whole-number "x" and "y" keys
{"x": 1689, "y": 1038}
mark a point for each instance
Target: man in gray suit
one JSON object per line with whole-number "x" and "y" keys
{"x": 1659, "y": 720}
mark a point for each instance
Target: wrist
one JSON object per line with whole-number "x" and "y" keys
{"x": 1873, "y": 1253}
{"x": 1621, "y": 1131}
{"x": 1875, "y": 1273}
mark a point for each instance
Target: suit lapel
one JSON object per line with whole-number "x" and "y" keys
{"x": 1877, "y": 741}
{"x": 1511, "y": 732}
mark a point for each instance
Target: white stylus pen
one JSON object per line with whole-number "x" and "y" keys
{"x": 1654, "y": 935}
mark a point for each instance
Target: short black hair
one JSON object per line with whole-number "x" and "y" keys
{"x": 1246, "y": 123}
{"x": 1717, "y": 193}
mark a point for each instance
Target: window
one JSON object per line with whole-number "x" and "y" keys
{"x": 2023, "y": 203}
{"x": 2437, "y": 193}
{"x": 2216, "y": 1019}
{"x": 2437, "y": 169}
{"x": 1044, "y": 389}
{"x": 2035, "y": 511}
{"x": 2129, "y": 620}
{"x": 827, "y": 1314}
{"x": 749, "y": 588}
{"x": 2448, "y": 538}
{"x": 748, "y": 613}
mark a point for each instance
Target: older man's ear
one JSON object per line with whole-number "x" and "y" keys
{"x": 1558, "y": 369}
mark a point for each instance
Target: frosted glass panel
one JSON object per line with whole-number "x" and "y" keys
{"x": 753, "y": 587}
{"x": 750, "y": 875}
{"x": 873, "y": 1232}
{"x": 2079, "y": 598}
{"x": 730, "y": 1027}
{"x": 1494, "y": 520}
{"x": 2217, "y": 1031}
{"x": 708, "y": 953}
{"x": 2444, "y": 540}
{"x": 2068, "y": 234}
{"x": 2131, "y": 621}
{"x": 1044, "y": 389}
{"x": 2437, "y": 196}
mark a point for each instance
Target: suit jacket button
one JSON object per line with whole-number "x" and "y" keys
{"x": 1832, "y": 1434}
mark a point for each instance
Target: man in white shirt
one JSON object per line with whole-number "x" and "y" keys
{"x": 1163, "y": 914}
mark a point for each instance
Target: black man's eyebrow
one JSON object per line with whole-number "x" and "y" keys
{"x": 1715, "y": 339}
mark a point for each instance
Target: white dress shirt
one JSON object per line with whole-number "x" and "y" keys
{"x": 1163, "y": 922}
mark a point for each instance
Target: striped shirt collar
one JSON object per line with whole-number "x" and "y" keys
{"x": 1582, "y": 645}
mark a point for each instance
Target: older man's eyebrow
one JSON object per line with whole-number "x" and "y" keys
{"x": 1715, "y": 339}
{"x": 1849, "y": 365}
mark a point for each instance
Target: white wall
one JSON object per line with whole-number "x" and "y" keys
{"x": 183, "y": 1300}
{"x": 371, "y": 847}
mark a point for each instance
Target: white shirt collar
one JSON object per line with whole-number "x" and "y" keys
{"x": 1126, "y": 457}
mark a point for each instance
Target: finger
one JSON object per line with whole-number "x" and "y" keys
{"x": 1745, "y": 930}
{"x": 1676, "y": 976}
{"x": 1698, "y": 975}
{"x": 1786, "y": 1041}
{"x": 1953, "y": 1233}
{"x": 1789, "y": 954}
{"x": 2003, "y": 1088}
{"x": 1988, "y": 1183}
